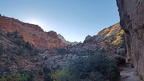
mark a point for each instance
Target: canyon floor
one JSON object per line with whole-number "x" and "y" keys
{"x": 127, "y": 74}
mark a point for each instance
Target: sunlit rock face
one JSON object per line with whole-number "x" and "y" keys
{"x": 132, "y": 21}
{"x": 31, "y": 33}
{"x": 109, "y": 40}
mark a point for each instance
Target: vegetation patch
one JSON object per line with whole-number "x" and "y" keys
{"x": 1, "y": 48}
{"x": 92, "y": 68}
{"x": 16, "y": 77}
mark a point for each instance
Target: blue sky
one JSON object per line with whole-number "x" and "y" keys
{"x": 74, "y": 19}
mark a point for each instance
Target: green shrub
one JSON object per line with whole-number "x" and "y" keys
{"x": 1, "y": 49}
{"x": 92, "y": 68}
{"x": 46, "y": 70}
{"x": 62, "y": 75}
{"x": 9, "y": 34}
{"x": 16, "y": 77}
{"x": 18, "y": 42}
{"x": 28, "y": 46}
{"x": 62, "y": 51}
{"x": 47, "y": 78}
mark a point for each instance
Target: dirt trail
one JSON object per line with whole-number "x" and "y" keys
{"x": 127, "y": 74}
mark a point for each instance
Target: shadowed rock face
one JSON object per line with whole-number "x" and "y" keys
{"x": 132, "y": 21}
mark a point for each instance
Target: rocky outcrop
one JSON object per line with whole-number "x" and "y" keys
{"x": 65, "y": 41}
{"x": 31, "y": 33}
{"x": 112, "y": 30}
{"x": 110, "y": 40}
{"x": 107, "y": 40}
{"x": 132, "y": 21}
{"x": 87, "y": 38}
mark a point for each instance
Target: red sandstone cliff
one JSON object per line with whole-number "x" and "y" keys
{"x": 31, "y": 33}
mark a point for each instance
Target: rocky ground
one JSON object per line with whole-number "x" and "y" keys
{"x": 127, "y": 74}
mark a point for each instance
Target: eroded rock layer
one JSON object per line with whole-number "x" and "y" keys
{"x": 31, "y": 33}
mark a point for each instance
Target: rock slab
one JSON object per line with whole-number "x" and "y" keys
{"x": 132, "y": 21}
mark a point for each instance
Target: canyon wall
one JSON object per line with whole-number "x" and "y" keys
{"x": 31, "y": 33}
{"x": 132, "y": 21}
